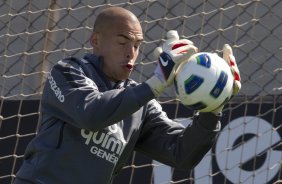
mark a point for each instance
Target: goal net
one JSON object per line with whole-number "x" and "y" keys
{"x": 35, "y": 34}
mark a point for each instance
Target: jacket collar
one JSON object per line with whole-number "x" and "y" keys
{"x": 97, "y": 62}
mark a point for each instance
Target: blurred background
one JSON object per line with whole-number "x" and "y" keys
{"x": 35, "y": 34}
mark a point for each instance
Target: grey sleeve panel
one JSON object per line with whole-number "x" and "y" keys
{"x": 169, "y": 142}
{"x": 72, "y": 96}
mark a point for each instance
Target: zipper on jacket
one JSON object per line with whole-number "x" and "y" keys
{"x": 61, "y": 135}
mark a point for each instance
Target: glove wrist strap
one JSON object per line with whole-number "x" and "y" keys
{"x": 156, "y": 85}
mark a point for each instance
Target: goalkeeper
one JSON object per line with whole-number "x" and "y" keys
{"x": 93, "y": 116}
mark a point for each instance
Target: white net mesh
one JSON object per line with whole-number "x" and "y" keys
{"x": 36, "y": 34}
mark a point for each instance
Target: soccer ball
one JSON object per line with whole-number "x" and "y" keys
{"x": 204, "y": 82}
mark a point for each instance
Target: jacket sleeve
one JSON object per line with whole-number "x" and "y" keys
{"x": 169, "y": 142}
{"x": 73, "y": 97}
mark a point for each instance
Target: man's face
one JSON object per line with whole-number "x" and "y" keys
{"x": 119, "y": 46}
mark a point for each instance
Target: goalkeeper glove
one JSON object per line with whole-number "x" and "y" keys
{"x": 230, "y": 60}
{"x": 170, "y": 55}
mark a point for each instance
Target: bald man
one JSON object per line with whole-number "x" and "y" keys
{"x": 93, "y": 116}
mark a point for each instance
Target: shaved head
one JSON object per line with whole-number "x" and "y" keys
{"x": 110, "y": 16}
{"x": 116, "y": 37}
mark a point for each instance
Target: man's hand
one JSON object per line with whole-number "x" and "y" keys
{"x": 230, "y": 60}
{"x": 170, "y": 55}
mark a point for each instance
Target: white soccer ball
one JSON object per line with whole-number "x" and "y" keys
{"x": 204, "y": 82}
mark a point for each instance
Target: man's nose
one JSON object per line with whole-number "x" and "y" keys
{"x": 130, "y": 52}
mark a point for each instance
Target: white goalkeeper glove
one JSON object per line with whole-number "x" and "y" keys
{"x": 170, "y": 55}
{"x": 230, "y": 60}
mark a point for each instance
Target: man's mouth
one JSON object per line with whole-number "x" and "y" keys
{"x": 129, "y": 66}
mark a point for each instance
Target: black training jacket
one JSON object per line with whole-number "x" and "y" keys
{"x": 89, "y": 127}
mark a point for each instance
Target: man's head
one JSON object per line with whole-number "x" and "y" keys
{"x": 117, "y": 35}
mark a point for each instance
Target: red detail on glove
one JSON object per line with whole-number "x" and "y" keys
{"x": 232, "y": 63}
{"x": 178, "y": 45}
{"x": 237, "y": 76}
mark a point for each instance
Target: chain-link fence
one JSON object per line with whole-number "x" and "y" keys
{"x": 35, "y": 34}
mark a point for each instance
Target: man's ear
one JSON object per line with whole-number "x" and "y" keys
{"x": 94, "y": 40}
